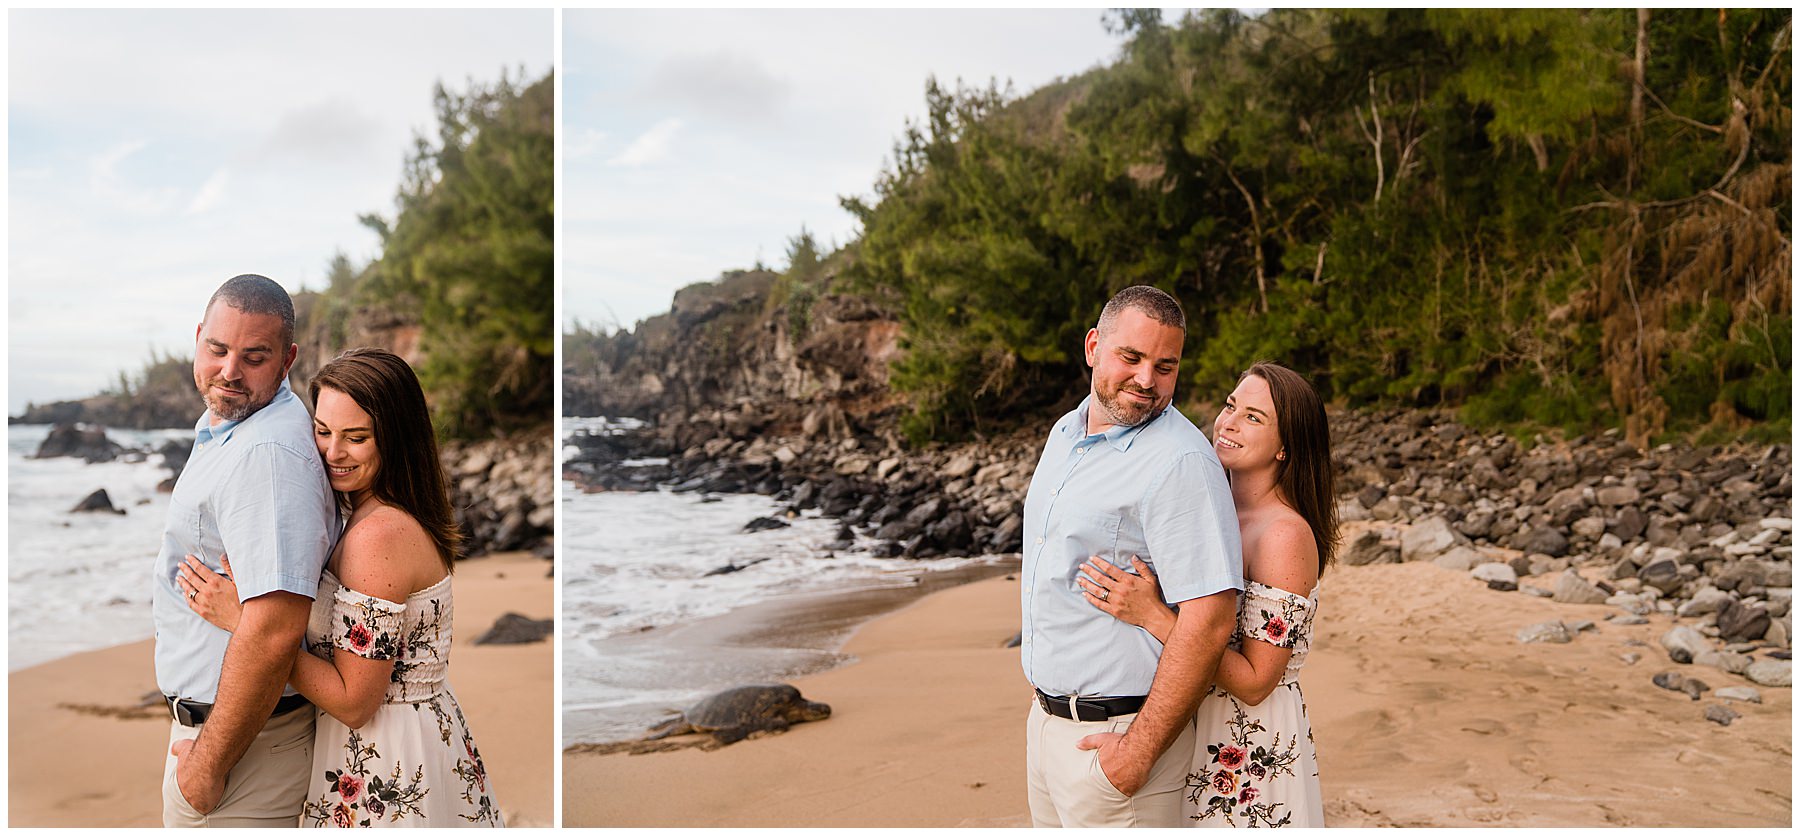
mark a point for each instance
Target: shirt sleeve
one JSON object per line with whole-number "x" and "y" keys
{"x": 269, "y": 519}
{"x": 1190, "y": 525}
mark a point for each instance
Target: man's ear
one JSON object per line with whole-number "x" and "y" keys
{"x": 292, "y": 352}
{"x": 1092, "y": 346}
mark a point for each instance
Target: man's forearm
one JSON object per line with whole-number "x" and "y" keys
{"x": 1190, "y": 658}
{"x": 257, "y": 664}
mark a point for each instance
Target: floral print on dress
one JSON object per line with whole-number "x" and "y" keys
{"x": 1242, "y": 767}
{"x": 1256, "y": 766}
{"x": 1280, "y": 620}
{"x": 415, "y": 762}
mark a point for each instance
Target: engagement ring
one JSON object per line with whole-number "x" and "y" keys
{"x": 193, "y": 592}
{"x": 1105, "y": 594}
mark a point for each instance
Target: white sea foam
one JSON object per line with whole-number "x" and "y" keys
{"x": 636, "y": 561}
{"x": 79, "y": 582}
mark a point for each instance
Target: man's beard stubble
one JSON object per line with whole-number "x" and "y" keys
{"x": 1125, "y": 415}
{"x": 234, "y": 410}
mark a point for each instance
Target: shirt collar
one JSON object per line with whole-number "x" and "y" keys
{"x": 1120, "y": 437}
{"x": 205, "y": 430}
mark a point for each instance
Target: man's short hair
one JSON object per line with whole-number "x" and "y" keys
{"x": 1152, "y": 302}
{"x": 254, "y": 294}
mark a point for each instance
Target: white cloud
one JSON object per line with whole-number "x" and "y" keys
{"x": 111, "y": 186}
{"x": 724, "y": 84}
{"x": 652, "y": 146}
{"x": 582, "y": 143}
{"x": 327, "y": 132}
{"x": 209, "y": 194}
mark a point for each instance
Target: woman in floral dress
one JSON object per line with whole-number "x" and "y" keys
{"x": 392, "y": 748}
{"x": 1255, "y": 765}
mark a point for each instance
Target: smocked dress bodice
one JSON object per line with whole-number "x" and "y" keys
{"x": 1279, "y": 617}
{"x": 416, "y": 634}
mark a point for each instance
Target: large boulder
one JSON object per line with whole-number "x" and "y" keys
{"x": 1541, "y": 540}
{"x": 1368, "y": 547}
{"x": 1742, "y": 622}
{"x": 1572, "y": 588}
{"x": 1427, "y": 539}
{"x": 513, "y": 628}
{"x": 1663, "y": 573}
{"x": 1773, "y": 673}
{"x": 1462, "y": 559}
{"x": 89, "y": 444}
{"x": 96, "y": 501}
{"x": 1684, "y": 643}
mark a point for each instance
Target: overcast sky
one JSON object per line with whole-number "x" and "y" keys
{"x": 700, "y": 141}
{"x": 154, "y": 154}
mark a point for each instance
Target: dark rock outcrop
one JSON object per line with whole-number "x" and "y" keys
{"x": 96, "y": 501}
{"x": 85, "y": 442}
{"x": 513, "y": 628}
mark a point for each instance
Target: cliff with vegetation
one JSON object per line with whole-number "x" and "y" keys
{"x": 757, "y": 350}
{"x": 463, "y": 288}
{"x": 1578, "y": 220}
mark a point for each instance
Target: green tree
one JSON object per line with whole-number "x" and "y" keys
{"x": 471, "y": 249}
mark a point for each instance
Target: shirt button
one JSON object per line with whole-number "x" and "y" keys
{"x": 1040, "y": 541}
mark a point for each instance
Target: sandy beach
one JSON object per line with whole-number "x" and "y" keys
{"x": 1427, "y": 712}
{"x": 82, "y": 751}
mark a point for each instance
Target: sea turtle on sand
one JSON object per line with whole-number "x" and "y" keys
{"x": 734, "y": 714}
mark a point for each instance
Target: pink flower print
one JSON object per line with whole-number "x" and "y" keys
{"x": 359, "y": 637}
{"x": 1276, "y": 628}
{"x": 349, "y": 787}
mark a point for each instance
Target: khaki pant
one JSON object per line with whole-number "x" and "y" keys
{"x": 1067, "y": 788}
{"x": 267, "y": 788}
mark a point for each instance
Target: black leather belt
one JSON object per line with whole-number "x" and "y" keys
{"x": 1089, "y": 709}
{"x": 190, "y": 713}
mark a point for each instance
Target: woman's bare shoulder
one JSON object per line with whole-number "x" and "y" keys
{"x": 1284, "y": 554}
{"x": 385, "y": 555}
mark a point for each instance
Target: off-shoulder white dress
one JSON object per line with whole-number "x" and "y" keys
{"x": 414, "y": 764}
{"x": 1254, "y": 765}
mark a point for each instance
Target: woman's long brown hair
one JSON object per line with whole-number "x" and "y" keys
{"x": 1306, "y": 477}
{"x": 410, "y": 477}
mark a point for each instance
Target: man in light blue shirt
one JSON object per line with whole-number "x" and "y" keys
{"x": 255, "y": 491}
{"x": 1124, "y": 474}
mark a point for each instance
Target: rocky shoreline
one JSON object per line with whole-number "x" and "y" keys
{"x": 1700, "y": 535}
{"x": 501, "y": 489}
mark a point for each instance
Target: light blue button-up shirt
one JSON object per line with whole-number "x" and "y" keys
{"x": 1155, "y": 490}
{"x": 255, "y": 491}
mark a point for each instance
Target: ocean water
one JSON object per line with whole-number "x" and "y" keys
{"x": 641, "y": 630}
{"x": 77, "y": 582}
